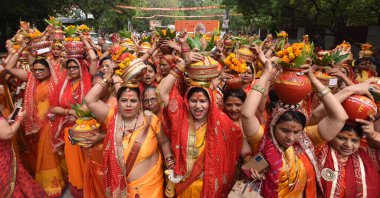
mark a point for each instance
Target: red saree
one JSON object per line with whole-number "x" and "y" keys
{"x": 70, "y": 93}
{"x": 273, "y": 155}
{"x": 15, "y": 181}
{"x": 347, "y": 179}
{"x": 222, "y": 145}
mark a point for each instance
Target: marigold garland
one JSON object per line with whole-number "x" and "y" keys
{"x": 86, "y": 122}
{"x": 237, "y": 65}
{"x": 289, "y": 55}
{"x": 124, "y": 64}
{"x": 35, "y": 34}
{"x": 83, "y": 28}
{"x": 117, "y": 55}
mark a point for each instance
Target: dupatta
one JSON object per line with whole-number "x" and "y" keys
{"x": 63, "y": 97}
{"x": 271, "y": 150}
{"x": 32, "y": 121}
{"x": 358, "y": 177}
{"x": 222, "y": 149}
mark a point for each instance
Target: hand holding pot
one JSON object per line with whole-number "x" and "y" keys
{"x": 194, "y": 57}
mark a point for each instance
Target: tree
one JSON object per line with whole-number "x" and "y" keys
{"x": 316, "y": 15}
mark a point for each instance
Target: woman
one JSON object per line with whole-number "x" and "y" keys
{"x": 293, "y": 170}
{"x": 167, "y": 62}
{"x": 42, "y": 159}
{"x": 149, "y": 78}
{"x": 347, "y": 154}
{"x": 106, "y": 65}
{"x": 347, "y": 168}
{"x": 57, "y": 48}
{"x": 233, "y": 101}
{"x": 206, "y": 143}
{"x": 149, "y": 100}
{"x": 70, "y": 91}
{"x": 248, "y": 78}
{"x": 132, "y": 159}
{"x": 15, "y": 181}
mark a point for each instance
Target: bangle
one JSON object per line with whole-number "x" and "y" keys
{"x": 19, "y": 119}
{"x": 102, "y": 83}
{"x": 66, "y": 111}
{"x": 174, "y": 74}
{"x": 177, "y": 70}
{"x": 323, "y": 92}
{"x": 168, "y": 156}
{"x": 169, "y": 163}
{"x": 258, "y": 88}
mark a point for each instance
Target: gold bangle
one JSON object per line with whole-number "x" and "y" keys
{"x": 102, "y": 83}
{"x": 174, "y": 74}
{"x": 323, "y": 92}
{"x": 258, "y": 88}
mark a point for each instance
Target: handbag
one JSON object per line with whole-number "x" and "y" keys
{"x": 245, "y": 189}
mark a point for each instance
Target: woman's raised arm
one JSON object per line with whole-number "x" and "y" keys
{"x": 19, "y": 73}
{"x": 93, "y": 102}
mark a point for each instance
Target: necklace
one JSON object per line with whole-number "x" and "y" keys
{"x": 197, "y": 148}
{"x": 126, "y": 126}
{"x": 290, "y": 184}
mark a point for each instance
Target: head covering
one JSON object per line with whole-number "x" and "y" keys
{"x": 65, "y": 95}
{"x": 32, "y": 121}
{"x": 272, "y": 152}
{"x": 222, "y": 148}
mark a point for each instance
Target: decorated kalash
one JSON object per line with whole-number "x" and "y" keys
{"x": 364, "y": 69}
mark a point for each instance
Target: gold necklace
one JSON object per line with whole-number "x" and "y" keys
{"x": 290, "y": 184}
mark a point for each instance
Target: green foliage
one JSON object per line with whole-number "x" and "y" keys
{"x": 167, "y": 35}
{"x": 147, "y": 39}
{"x": 195, "y": 43}
{"x": 70, "y": 30}
{"x": 329, "y": 59}
{"x": 80, "y": 111}
{"x": 124, "y": 33}
{"x": 301, "y": 59}
{"x": 210, "y": 45}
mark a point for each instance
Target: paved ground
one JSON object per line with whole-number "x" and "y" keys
{"x": 66, "y": 194}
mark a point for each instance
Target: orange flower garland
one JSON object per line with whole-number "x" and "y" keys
{"x": 86, "y": 122}
{"x": 124, "y": 64}
{"x": 237, "y": 65}
{"x": 289, "y": 55}
{"x": 83, "y": 28}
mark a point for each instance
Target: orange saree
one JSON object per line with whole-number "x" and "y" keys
{"x": 116, "y": 152}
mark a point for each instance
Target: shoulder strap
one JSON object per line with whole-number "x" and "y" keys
{"x": 136, "y": 147}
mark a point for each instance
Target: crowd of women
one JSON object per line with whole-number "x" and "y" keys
{"x": 159, "y": 131}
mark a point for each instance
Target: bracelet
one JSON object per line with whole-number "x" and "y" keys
{"x": 323, "y": 92}
{"x": 19, "y": 119}
{"x": 66, "y": 112}
{"x": 258, "y": 88}
{"x": 102, "y": 83}
{"x": 179, "y": 69}
{"x": 174, "y": 74}
{"x": 168, "y": 156}
{"x": 170, "y": 163}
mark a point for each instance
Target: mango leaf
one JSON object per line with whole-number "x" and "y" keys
{"x": 301, "y": 59}
{"x": 159, "y": 31}
{"x": 124, "y": 33}
{"x": 195, "y": 42}
{"x": 147, "y": 39}
{"x": 210, "y": 45}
